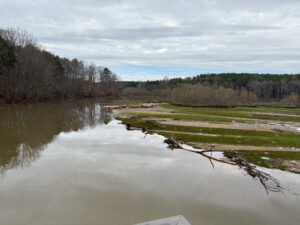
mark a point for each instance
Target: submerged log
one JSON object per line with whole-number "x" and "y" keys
{"x": 132, "y": 127}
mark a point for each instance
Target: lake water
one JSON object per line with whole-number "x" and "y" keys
{"x": 71, "y": 163}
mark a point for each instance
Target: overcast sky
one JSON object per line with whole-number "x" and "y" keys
{"x": 149, "y": 39}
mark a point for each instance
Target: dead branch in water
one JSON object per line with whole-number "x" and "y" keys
{"x": 269, "y": 182}
{"x": 144, "y": 129}
{"x": 130, "y": 127}
{"x": 172, "y": 143}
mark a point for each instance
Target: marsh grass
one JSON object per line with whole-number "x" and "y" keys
{"x": 239, "y": 112}
{"x": 235, "y": 140}
{"x": 222, "y": 136}
{"x": 292, "y": 111}
{"x": 238, "y": 137}
{"x": 193, "y": 117}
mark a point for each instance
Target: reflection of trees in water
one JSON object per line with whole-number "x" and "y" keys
{"x": 23, "y": 156}
{"x": 106, "y": 115}
{"x": 26, "y": 128}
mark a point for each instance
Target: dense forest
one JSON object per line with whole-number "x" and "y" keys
{"x": 27, "y": 72}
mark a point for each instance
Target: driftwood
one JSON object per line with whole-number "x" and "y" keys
{"x": 144, "y": 129}
{"x": 269, "y": 182}
{"x": 131, "y": 127}
{"x": 172, "y": 143}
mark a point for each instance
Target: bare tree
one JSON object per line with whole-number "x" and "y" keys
{"x": 18, "y": 37}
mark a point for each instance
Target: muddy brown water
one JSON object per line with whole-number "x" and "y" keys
{"x": 69, "y": 163}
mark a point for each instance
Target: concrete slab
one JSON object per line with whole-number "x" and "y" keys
{"x": 175, "y": 220}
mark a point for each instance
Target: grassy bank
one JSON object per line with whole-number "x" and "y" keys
{"x": 261, "y": 113}
{"x": 220, "y": 135}
{"x": 191, "y": 117}
{"x": 227, "y": 128}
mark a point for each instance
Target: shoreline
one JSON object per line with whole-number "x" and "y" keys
{"x": 283, "y": 157}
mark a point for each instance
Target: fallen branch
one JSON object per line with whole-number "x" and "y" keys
{"x": 131, "y": 127}
{"x": 173, "y": 143}
{"x": 269, "y": 182}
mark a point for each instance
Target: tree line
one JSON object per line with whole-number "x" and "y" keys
{"x": 242, "y": 87}
{"x": 28, "y": 72}
{"x": 266, "y": 86}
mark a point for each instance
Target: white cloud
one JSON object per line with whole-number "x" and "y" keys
{"x": 235, "y": 35}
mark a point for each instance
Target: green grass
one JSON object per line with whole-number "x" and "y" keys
{"x": 227, "y": 112}
{"x": 239, "y": 112}
{"x": 235, "y": 140}
{"x": 276, "y": 117}
{"x": 192, "y": 117}
{"x": 224, "y": 136}
{"x": 275, "y": 158}
{"x": 207, "y": 130}
{"x": 295, "y": 111}
{"x": 139, "y": 123}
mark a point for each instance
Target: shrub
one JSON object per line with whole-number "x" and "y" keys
{"x": 199, "y": 95}
{"x": 292, "y": 100}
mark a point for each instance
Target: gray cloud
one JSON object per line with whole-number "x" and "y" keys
{"x": 235, "y": 35}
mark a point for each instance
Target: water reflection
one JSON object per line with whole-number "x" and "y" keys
{"x": 26, "y": 129}
{"x": 88, "y": 173}
{"x": 107, "y": 175}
